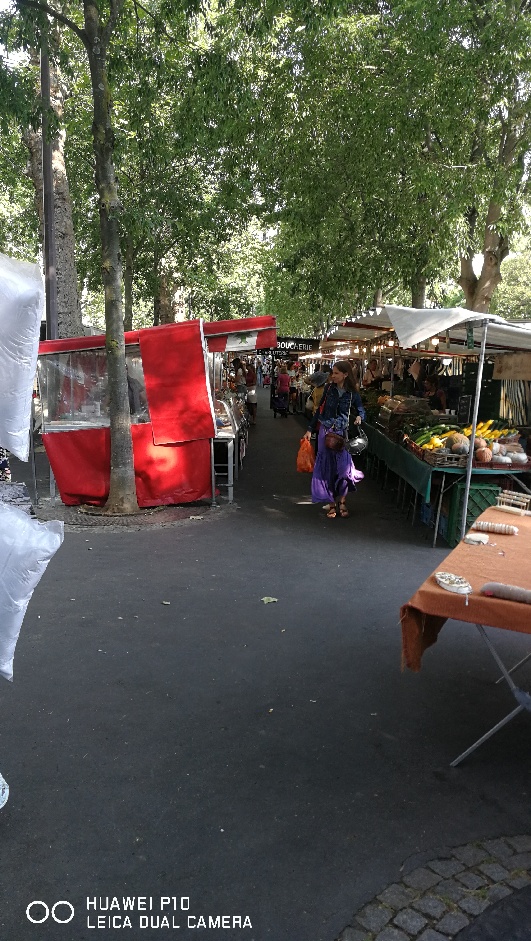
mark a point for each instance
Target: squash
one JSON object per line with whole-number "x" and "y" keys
{"x": 495, "y": 447}
{"x": 479, "y": 443}
{"x": 502, "y": 459}
{"x": 460, "y": 448}
{"x": 457, "y": 439}
{"x": 517, "y": 457}
{"x": 483, "y": 455}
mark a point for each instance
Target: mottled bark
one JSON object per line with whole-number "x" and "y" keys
{"x": 69, "y": 323}
{"x": 418, "y": 291}
{"x": 166, "y": 311}
{"x": 128, "y": 284}
{"x": 479, "y": 289}
{"x": 122, "y": 494}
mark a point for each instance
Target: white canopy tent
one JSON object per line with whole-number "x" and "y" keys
{"x": 414, "y": 325}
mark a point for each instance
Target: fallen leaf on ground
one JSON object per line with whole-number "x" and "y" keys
{"x": 165, "y": 602}
{"x": 197, "y": 517}
{"x": 267, "y": 600}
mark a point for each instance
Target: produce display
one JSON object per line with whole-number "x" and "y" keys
{"x": 495, "y": 441}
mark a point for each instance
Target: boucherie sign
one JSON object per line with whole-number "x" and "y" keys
{"x": 297, "y": 344}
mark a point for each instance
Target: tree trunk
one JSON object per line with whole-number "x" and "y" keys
{"x": 69, "y": 322}
{"x": 122, "y": 493}
{"x": 166, "y": 312}
{"x": 478, "y": 290}
{"x": 418, "y": 291}
{"x": 128, "y": 284}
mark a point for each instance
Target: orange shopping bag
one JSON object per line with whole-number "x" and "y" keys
{"x": 305, "y": 458}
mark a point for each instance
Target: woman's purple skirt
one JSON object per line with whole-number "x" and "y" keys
{"x": 334, "y": 473}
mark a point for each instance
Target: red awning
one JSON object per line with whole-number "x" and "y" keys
{"x": 233, "y": 336}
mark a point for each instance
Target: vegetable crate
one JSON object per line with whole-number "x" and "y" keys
{"x": 480, "y": 498}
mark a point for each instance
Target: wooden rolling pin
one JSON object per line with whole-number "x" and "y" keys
{"x": 512, "y": 509}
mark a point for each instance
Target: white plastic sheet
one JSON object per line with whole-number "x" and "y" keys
{"x": 26, "y": 547}
{"x": 21, "y": 306}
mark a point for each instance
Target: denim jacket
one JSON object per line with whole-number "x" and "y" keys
{"x": 336, "y": 409}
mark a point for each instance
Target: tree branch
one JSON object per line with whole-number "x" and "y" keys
{"x": 56, "y": 15}
{"x": 116, "y": 7}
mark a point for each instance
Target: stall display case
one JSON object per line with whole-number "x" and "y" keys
{"x": 74, "y": 389}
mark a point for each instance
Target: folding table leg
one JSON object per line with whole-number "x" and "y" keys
{"x": 516, "y": 667}
{"x": 522, "y": 698}
{"x": 438, "y": 516}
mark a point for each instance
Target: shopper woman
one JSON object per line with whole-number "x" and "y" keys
{"x": 252, "y": 403}
{"x": 282, "y": 385}
{"x": 334, "y": 473}
{"x": 239, "y": 376}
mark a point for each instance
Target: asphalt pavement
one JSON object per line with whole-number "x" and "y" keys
{"x": 170, "y": 736}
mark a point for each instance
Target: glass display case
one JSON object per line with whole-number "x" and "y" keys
{"x": 74, "y": 389}
{"x": 401, "y": 411}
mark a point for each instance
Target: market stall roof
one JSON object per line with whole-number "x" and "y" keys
{"x": 414, "y": 326}
{"x": 250, "y": 333}
{"x": 366, "y": 326}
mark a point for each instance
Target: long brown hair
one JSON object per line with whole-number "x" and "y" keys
{"x": 350, "y": 382}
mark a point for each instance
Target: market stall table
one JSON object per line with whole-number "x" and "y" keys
{"x": 418, "y": 474}
{"x": 504, "y": 559}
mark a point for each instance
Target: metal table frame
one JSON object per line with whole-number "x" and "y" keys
{"x": 522, "y": 698}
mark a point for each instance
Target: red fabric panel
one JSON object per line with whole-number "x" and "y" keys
{"x": 176, "y": 384}
{"x": 216, "y": 333}
{"x": 167, "y": 474}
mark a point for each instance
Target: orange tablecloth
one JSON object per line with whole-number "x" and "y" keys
{"x": 508, "y": 561}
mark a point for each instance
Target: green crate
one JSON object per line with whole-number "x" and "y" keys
{"x": 481, "y": 496}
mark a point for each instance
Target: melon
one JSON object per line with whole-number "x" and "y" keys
{"x": 460, "y": 448}
{"x": 457, "y": 439}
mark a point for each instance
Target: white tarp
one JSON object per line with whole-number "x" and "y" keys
{"x": 26, "y": 547}
{"x": 21, "y": 306}
{"x": 413, "y": 325}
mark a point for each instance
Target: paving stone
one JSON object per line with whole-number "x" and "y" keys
{"x": 495, "y": 872}
{"x": 451, "y": 889}
{"x": 498, "y": 848}
{"x": 519, "y": 882}
{"x": 452, "y": 923}
{"x": 431, "y": 935}
{"x": 421, "y": 879}
{"x": 497, "y": 892}
{"x": 374, "y": 917}
{"x": 473, "y": 905}
{"x": 431, "y": 906}
{"x": 446, "y": 867}
{"x": 396, "y": 896}
{"x": 507, "y": 920}
{"x": 392, "y": 934}
{"x": 352, "y": 934}
{"x": 410, "y": 921}
{"x": 471, "y": 880}
{"x": 471, "y": 855}
{"x": 519, "y": 861}
{"x": 522, "y": 844}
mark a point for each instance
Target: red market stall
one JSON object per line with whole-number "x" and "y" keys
{"x": 171, "y": 403}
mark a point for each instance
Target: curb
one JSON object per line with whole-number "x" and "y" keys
{"x": 436, "y": 901}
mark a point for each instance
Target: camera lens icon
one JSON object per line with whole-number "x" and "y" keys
{"x": 38, "y": 912}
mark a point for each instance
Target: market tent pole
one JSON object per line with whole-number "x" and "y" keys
{"x": 474, "y": 424}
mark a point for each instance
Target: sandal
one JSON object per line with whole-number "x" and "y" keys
{"x": 332, "y": 513}
{"x": 343, "y": 512}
